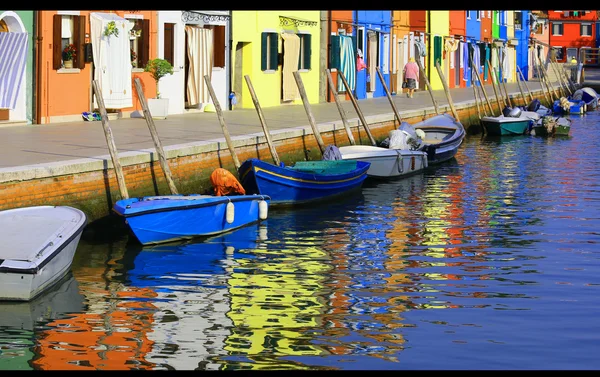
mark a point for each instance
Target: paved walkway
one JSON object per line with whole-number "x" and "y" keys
{"x": 26, "y": 147}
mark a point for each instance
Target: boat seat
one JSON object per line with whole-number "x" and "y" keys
{"x": 328, "y": 167}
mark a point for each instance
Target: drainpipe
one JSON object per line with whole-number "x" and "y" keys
{"x": 228, "y": 76}
{"x": 37, "y": 59}
{"x": 325, "y": 15}
{"x": 429, "y": 42}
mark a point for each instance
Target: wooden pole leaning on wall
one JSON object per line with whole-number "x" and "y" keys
{"x": 563, "y": 87}
{"x": 389, "y": 97}
{"x": 499, "y": 99}
{"x": 487, "y": 100}
{"x": 358, "y": 111}
{"x": 521, "y": 90}
{"x": 263, "y": 122}
{"x": 501, "y": 78}
{"x": 525, "y": 82}
{"x": 164, "y": 164}
{"x": 428, "y": 85}
{"x": 476, "y": 96}
{"x": 447, "y": 91}
{"x": 339, "y": 107}
{"x": 552, "y": 84}
{"x": 219, "y": 111}
{"x": 548, "y": 100}
{"x": 545, "y": 81}
{"x": 110, "y": 141}
{"x": 311, "y": 118}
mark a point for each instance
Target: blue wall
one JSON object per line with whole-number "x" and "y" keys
{"x": 473, "y": 31}
{"x": 522, "y": 50}
{"x": 380, "y": 20}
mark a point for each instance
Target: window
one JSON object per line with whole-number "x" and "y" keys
{"x": 169, "y": 42}
{"x": 386, "y": 54}
{"x": 468, "y": 15}
{"x": 557, "y": 28}
{"x": 497, "y": 14}
{"x": 489, "y": 14}
{"x": 139, "y": 41}
{"x": 360, "y": 39}
{"x": 305, "y": 51}
{"x": 559, "y": 53}
{"x": 480, "y": 15}
{"x": 518, "y": 20}
{"x": 586, "y": 30}
{"x": 68, "y": 29}
{"x": 269, "y": 50}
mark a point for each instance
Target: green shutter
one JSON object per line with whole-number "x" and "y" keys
{"x": 263, "y": 51}
{"x": 307, "y": 50}
{"x": 334, "y": 52}
{"x": 274, "y": 52}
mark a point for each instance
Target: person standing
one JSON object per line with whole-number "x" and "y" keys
{"x": 411, "y": 76}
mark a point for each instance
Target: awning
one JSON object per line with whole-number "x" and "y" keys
{"x": 13, "y": 51}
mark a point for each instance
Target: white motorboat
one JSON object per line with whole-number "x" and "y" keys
{"x": 386, "y": 162}
{"x": 39, "y": 246}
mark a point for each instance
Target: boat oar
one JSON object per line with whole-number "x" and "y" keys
{"x": 493, "y": 76}
{"x": 112, "y": 148}
{"x": 164, "y": 164}
{"x": 340, "y": 108}
{"x": 389, "y": 96}
{"x": 213, "y": 96}
{"x": 427, "y": 84}
{"x": 263, "y": 122}
{"x": 448, "y": 96}
{"x": 311, "y": 117}
{"x": 355, "y": 104}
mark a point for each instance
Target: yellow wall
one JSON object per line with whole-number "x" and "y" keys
{"x": 247, "y": 26}
{"x": 440, "y": 25}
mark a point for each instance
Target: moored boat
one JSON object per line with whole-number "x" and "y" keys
{"x": 443, "y": 135}
{"x": 39, "y": 244}
{"x": 386, "y": 162}
{"x": 167, "y": 218}
{"x": 304, "y": 182}
{"x": 552, "y": 126}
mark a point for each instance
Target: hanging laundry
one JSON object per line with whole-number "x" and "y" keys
{"x": 348, "y": 63}
{"x": 466, "y": 61}
{"x": 420, "y": 48}
{"x": 476, "y": 59}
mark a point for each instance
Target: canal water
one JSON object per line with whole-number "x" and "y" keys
{"x": 488, "y": 261}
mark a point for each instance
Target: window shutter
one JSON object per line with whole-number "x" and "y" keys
{"x": 334, "y": 52}
{"x": 307, "y": 50}
{"x": 263, "y": 51}
{"x": 144, "y": 46}
{"x": 56, "y": 41}
{"x": 274, "y": 53}
{"x": 79, "y": 30}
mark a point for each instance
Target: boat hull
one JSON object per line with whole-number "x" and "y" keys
{"x": 288, "y": 186}
{"x": 170, "y": 218}
{"x": 505, "y": 126}
{"x": 443, "y": 136}
{"x": 386, "y": 163}
{"x": 49, "y": 250}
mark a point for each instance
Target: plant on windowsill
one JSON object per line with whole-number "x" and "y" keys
{"x": 68, "y": 54}
{"x": 158, "y": 68}
{"x": 133, "y": 59}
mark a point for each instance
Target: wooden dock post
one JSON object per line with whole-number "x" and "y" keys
{"x": 110, "y": 141}
{"x": 311, "y": 117}
{"x": 219, "y": 111}
{"x": 389, "y": 96}
{"x": 355, "y": 103}
{"x": 448, "y": 96}
{"x": 340, "y": 108}
{"x": 428, "y": 85}
{"x": 263, "y": 122}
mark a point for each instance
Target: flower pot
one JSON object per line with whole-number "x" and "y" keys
{"x": 159, "y": 107}
{"x": 68, "y": 63}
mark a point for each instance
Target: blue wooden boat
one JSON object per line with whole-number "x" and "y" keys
{"x": 565, "y": 106}
{"x": 587, "y": 95}
{"x": 304, "y": 182}
{"x": 157, "y": 219}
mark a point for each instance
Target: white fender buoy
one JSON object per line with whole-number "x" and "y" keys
{"x": 230, "y": 212}
{"x": 263, "y": 209}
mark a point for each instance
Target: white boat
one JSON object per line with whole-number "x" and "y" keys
{"x": 386, "y": 163}
{"x": 39, "y": 244}
{"x": 443, "y": 136}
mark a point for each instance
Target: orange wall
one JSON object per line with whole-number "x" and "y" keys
{"x": 336, "y": 22}
{"x": 69, "y": 94}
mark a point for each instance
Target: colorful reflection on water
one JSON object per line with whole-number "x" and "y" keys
{"x": 489, "y": 261}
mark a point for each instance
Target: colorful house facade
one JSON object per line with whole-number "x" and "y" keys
{"x": 341, "y": 52}
{"x": 458, "y": 33}
{"x": 571, "y": 31}
{"x": 269, "y": 46}
{"x": 17, "y": 39}
{"x": 539, "y": 41}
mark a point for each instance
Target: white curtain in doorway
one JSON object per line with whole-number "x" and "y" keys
{"x": 372, "y": 63}
{"x": 112, "y": 63}
{"x": 200, "y": 56}
{"x": 291, "y": 57}
{"x": 13, "y": 55}
{"x": 347, "y": 63}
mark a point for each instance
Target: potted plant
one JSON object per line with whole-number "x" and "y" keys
{"x": 133, "y": 57}
{"x": 158, "y": 68}
{"x": 68, "y": 54}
